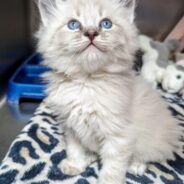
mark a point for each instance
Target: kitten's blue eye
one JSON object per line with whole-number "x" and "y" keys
{"x": 106, "y": 24}
{"x": 74, "y": 24}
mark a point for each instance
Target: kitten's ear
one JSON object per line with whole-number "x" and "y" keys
{"x": 130, "y": 5}
{"x": 46, "y": 9}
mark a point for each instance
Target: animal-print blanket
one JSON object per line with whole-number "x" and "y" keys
{"x": 36, "y": 155}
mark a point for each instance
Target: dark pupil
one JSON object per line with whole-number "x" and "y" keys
{"x": 106, "y": 23}
{"x": 178, "y": 76}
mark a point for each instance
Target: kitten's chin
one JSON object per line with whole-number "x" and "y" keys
{"x": 92, "y": 59}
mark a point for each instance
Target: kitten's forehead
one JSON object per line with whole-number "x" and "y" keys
{"x": 90, "y": 11}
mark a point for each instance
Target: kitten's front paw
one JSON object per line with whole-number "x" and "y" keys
{"x": 68, "y": 167}
{"x": 137, "y": 168}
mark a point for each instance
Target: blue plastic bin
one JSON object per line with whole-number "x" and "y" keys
{"x": 26, "y": 82}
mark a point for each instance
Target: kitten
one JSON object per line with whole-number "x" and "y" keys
{"x": 104, "y": 109}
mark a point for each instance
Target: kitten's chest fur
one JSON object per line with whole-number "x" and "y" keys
{"x": 90, "y": 106}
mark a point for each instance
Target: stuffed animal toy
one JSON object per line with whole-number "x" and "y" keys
{"x": 156, "y": 58}
{"x": 173, "y": 78}
{"x": 179, "y": 56}
{"x": 150, "y": 69}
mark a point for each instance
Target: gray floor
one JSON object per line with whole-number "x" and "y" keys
{"x": 12, "y": 121}
{"x": 9, "y": 129}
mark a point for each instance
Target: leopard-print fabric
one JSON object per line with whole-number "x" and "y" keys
{"x": 36, "y": 155}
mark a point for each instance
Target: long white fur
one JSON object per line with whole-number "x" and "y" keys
{"x": 104, "y": 109}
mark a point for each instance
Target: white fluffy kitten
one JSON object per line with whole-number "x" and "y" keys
{"x": 104, "y": 108}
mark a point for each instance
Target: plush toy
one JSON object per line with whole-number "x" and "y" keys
{"x": 150, "y": 69}
{"x": 156, "y": 58}
{"x": 173, "y": 78}
{"x": 179, "y": 56}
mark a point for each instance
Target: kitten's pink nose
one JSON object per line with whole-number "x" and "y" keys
{"x": 91, "y": 34}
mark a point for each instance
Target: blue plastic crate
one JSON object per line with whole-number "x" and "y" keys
{"x": 27, "y": 82}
